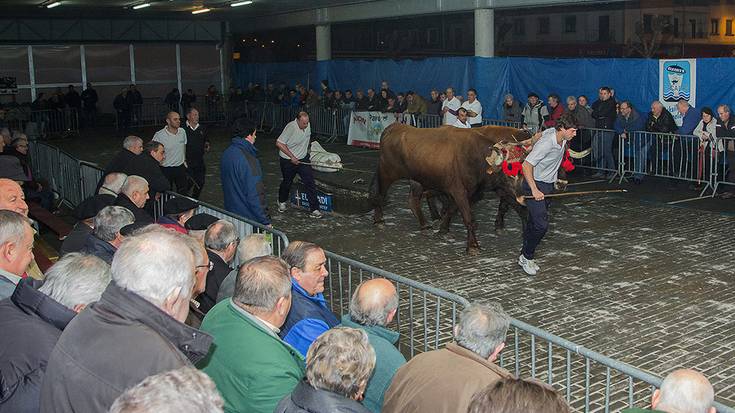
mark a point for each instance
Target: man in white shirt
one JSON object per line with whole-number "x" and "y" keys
{"x": 293, "y": 149}
{"x": 540, "y": 173}
{"x": 474, "y": 108}
{"x": 462, "y": 121}
{"x": 173, "y": 138}
{"x": 450, "y": 106}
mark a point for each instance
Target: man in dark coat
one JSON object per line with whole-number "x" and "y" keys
{"x": 604, "y": 112}
{"x": 133, "y": 196}
{"x": 32, "y": 320}
{"x": 148, "y": 166}
{"x": 84, "y": 213}
{"x": 132, "y": 148}
{"x": 122, "y": 109}
{"x": 72, "y": 98}
{"x": 242, "y": 176}
{"x": 221, "y": 242}
{"x": 89, "y": 100}
{"x": 310, "y": 315}
{"x": 197, "y": 145}
{"x": 134, "y": 331}
{"x": 105, "y": 238}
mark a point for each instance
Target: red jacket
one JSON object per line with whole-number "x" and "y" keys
{"x": 554, "y": 116}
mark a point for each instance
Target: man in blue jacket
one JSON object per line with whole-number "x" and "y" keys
{"x": 310, "y": 315}
{"x": 627, "y": 122}
{"x": 687, "y": 146}
{"x": 242, "y": 176}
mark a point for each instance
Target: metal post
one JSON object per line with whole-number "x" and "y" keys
{"x": 31, "y": 73}
{"x": 178, "y": 68}
{"x": 484, "y": 32}
{"x": 131, "y": 53}
{"x": 83, "y": 62}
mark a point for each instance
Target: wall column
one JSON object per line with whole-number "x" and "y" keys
{"x": 484, "y": 32}
{"x": 323, "y": 42}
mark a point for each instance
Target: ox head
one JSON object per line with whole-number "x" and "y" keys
{"x": 505, "y": 167}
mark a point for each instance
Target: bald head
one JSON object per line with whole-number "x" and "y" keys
{"x": 374, "y": 303}
{"x": 684, "y": 391}
{"x": 11, "y": 197}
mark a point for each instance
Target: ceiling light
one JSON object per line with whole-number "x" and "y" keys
{"x": 200, "y": 11}
{"x": 54, "y": 4}
{"x": 141, "y": 6}
{"x": 241, "y": 3}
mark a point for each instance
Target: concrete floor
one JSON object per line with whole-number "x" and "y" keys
{"x": 626, "y": 275}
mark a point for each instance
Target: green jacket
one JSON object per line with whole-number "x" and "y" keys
{"x": 387, "y": 361}
{"x": 252, "y": 367}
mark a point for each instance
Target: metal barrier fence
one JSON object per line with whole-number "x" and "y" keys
{"x": 43, "y": 123}
{"x": 590, "y": 381}
{"x": 244, "y": 226}
{"x": 154, "y": 114}
{"x": 604, "y": 156}
{"x": 498, "y": 122}
{"x": 724, "y": 173}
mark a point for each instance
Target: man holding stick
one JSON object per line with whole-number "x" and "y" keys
{"x": 540, "y": 173}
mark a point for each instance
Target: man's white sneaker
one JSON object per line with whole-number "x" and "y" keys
{"x": 534, "y": 265}
{"x": 529, "y": 267}
{"x": 282, "y": 207}
{"x": 316, "y": 214}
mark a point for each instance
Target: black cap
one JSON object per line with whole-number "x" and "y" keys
{"x": 178, "y": 205}
{"x": 533, "y": 95}
{"x": 130, "y": 229}
{"x": 91, "y": 206}
{"x": 200, "y": 222}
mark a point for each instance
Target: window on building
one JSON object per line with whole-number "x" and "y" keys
{"x": 728, "y": 28}
{"x": 570, "y": 24}
{"x": 603, "y": 27}
{"x": 693, "y": 27}
{"x": 648, "y": 23}
{"x": 715, "y": 27}
{"x": 676, "y": 27}
{"x": 519, "y": 27}
{"x": 543, "y": 25}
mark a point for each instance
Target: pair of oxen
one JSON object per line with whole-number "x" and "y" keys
{"x": 456, "y": 166}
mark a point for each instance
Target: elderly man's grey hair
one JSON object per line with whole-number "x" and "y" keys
{"x": 341, "y": 361}
{"x": 113, "y": 183}
{"x": 685, "y": 391}
{"x": 131, "y": 141}
{"x": 182, "y": 390}
{"x": 571, "y": 99}
{"x": 254, "y": 245}
{"x": 109, "y": 220}
{"x": 724, "y": 108}
{"x": 76, "y": 279}
{"x": 482, "y": 328}
{"x": 373, "y": 313}
{"x": 154, "y": 265}
{"x": 261, "y": 282}
{"x": 12, "y": 226}
{"x": 196, "y": 248}
{"x": 134, "y": 183}
{"x": 219, "y": 235}
{"x": 296, "y": 253}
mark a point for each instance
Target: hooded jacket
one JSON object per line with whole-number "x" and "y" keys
{"x": 31, "y": 323}
{"x": 113, "y": 345}
{"x": 242, "y": 181}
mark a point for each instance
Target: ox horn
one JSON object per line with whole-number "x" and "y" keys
{"x": 579, "y": 155}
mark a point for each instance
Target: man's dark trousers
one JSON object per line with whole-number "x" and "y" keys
{"x": 197, "y": 173}
{"x": 538, "y": 218}
{"x": 177, "y": 176}
{"x": 289, "y": 171}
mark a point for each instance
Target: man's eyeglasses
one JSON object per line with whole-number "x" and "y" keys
{"x": 210, "y": 266}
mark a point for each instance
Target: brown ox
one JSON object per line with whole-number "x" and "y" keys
{"x": 448, "y": 160}
{"x": 459, "y": 164}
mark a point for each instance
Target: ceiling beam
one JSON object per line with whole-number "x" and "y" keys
{"x": 382, "y": 9}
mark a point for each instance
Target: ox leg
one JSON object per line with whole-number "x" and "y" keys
{"x": 414, "y": 203}
{"x": 448, "y": 211}
{"x": 522, "y": 212}
{"x": 379, "y": 189}
{"x": 433, "y": 201}
{"x": 500, "y": 217}
{"x": 463, "y": 204}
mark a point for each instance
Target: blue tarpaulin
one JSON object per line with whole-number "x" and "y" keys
{"x": 635, "y": 80}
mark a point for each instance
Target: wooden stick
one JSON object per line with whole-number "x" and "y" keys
{"x": 561, "y": 194}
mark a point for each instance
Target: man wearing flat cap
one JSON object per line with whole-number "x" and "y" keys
{"x": 197, "y": 225}
{"x": 176, "y": 212}
{"x": 84, "y": 213}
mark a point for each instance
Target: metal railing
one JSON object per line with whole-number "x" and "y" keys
{"x": 724, "y": 166}
{"x": 590, "y": 381}
{"x": 72, "y": 179}
{"x": 244, "y": 226}
{"x": 43, "y": 123}
{"x": 153, "y": 113}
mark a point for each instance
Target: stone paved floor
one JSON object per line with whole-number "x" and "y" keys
{"x": 635, "y": 279}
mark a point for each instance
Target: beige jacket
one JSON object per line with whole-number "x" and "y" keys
{"x": 440, "y": 381}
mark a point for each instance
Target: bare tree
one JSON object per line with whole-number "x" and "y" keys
{"x": 648, "y": 41}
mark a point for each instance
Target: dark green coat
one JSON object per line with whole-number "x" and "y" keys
{"x": 387, "y": 361}
{"x": 252, "y": 367}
